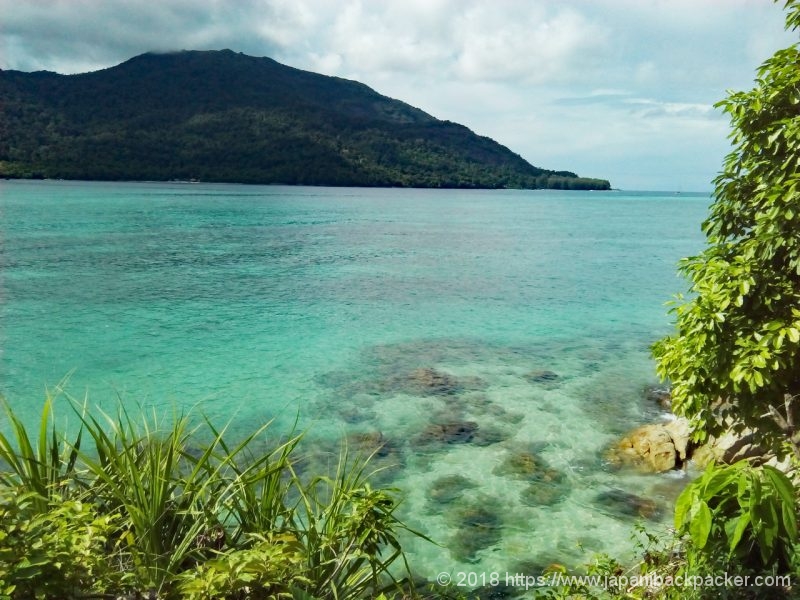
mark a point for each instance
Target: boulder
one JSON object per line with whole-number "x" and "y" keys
{"x": 652, "y": 448}
{"x": 681, "y": 434}
{"x": 729, "y": 448}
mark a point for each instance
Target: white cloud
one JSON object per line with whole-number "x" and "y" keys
{"x": 595, "y": 87}
{"x": 529, "y": 43}
{"x": 648, "y": 108}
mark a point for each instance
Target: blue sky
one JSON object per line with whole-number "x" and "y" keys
{"x": 619, "y": 89}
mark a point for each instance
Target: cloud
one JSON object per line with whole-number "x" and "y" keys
{"x": 532, "y": 43}
{"x": 569, "y": 85}
{"x": 76, "y": 35}
{"x": 648, "y": 108}
{"x": 467, "y": 40}
{"x": 394, "y": 37}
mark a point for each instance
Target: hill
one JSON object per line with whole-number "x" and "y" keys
{"x": 223, "y": 116}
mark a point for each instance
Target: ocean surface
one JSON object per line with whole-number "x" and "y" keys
{"x": 493, "y": 342}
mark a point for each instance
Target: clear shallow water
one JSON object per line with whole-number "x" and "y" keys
{"x": 334, "y": 305}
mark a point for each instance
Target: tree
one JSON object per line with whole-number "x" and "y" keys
{"x": 734, "y": 360}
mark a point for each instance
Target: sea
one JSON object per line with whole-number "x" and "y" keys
{"x": 491, "y": 344}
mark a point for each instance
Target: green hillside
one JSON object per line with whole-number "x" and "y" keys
{"x": 223, "y": 116}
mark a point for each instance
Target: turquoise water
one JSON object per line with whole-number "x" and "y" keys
{"x": 534, "y": 309}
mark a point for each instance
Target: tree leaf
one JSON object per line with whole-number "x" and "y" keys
{"x": 741, "y": 525}
{"x": 700, "y": 525}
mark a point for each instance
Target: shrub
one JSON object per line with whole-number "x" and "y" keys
{"x": 738, "y": 337}
{"x": 58, "y": 553}
{"x": 152, "y": 510}
{"x": 742, "y": 515}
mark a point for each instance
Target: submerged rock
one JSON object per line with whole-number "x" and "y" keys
{"x": 620, "y": 503}
{"x": 448, "y": 488}
{"x": 537, "y": 566}
{"x": 354, "y": 414}
{"x": 372, "y": 443}
{"x": 479, "y": 403}
{"x": 528, "y": 465}
{"x": 548, "y": 486}
{"x": 427, "y": 381}
{"x": 385, "y": 455}
{"x": 478, "y": 528}
{"x": 486, "y": 436}
{"x": 458, "y": 432}
{"x": 544, "y": 494}
{"x": 501, "y": 591}
{"x": 659, "y": 396}
{"x": 520, "y": 465}
{"x": 542, "y": 376}
{"x": 511, "y": 417}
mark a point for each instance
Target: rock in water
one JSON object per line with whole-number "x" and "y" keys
{"x": 660, "y": 396}
{"x": 448, "y": 488}
{"x": 542, "y": 376}
{"x": 427, "y": 381}
{"x": 624, "y": 504}
{"x": 458, "y": 432}
{"x": 652, "y": 448}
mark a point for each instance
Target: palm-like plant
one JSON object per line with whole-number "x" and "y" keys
{"x": 206, "y": 520}
{"x": 44, "y": 466}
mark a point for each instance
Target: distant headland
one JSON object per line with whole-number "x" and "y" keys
{"x": 226, "y": 117}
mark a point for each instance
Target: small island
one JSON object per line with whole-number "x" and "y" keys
{"x": 221, "y": 116}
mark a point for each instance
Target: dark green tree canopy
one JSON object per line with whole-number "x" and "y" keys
{"x": 735, "y": 357}
{"x": 223, "y": 116}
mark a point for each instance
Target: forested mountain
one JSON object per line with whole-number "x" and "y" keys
{"x": 223, "y": 116}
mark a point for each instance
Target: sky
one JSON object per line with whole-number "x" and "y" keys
{"x": 617, "y": 89}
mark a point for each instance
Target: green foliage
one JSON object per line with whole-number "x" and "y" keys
{"x": 221, "y": 116}
{"x": 733, "y": 362}
{"x": 173, "y": 509}
{"x": 740, "y": 515}
{"x": 268, "y": 569}
{"x": 58, "y": 553}
{"x": 42, "y": 468}
{"x": 734, "y": 358}
{"x": 347, "y": 533}
{"x": 168, "y": 497}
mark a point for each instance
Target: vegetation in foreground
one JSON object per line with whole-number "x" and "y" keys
{"x": 131, "y": 509}
{"x": 733, "y": 361}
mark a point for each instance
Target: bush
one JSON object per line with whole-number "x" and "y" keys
{"x": 738, "y": 337}
{"x": 150, "y": 510}
{"x": 59, "y": 553}
{"x": 742, "y": 516}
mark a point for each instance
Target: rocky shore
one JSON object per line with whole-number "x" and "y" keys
{"x": 667, "y": 445}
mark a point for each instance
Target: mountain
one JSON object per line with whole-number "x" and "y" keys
{"x": 223, "y": 116}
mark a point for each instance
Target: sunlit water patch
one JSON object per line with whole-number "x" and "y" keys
{"x": 488, "y": 344}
